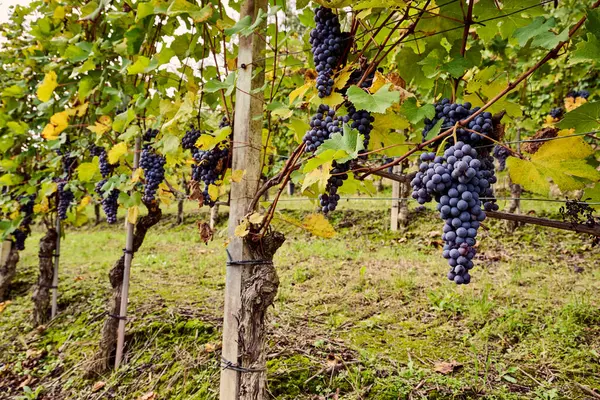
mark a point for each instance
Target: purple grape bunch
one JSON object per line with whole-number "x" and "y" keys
{"x": 327, "y": 42}
{"x": 459, "y": 181}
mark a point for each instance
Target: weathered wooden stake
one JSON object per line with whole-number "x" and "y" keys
{"x": 248, "y": 130}
{"x": 395, "y": 202}
{"x": 126, "y": 271}
{"x": 55, "y": 271}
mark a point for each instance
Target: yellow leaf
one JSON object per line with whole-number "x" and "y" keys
{"x": 103, "y": 125}
{"x": 242, "y": 229}
{"x": 206, "y": 142}
{"x": 333, "y": 99}
{"x": 45, "y": 90}
{"x": 237, "y": 175}
{"x": 132, "y": 214}
{"x": 342, "y": 78}
{"x": 84, "y": 202}
{"x": 255, "y": 218}
{"x": 300, "y": 91}
{"x": 213, "y": 192}
{"x": 164, "y": 194}
{"x": 58, "y": 123}
{"x": 118, "y": 150}
{"x": 318, "y": 175}
{"x": 79, "y": 110}
{"x": 378, "y": 82}
{"x": 318, "y": 225}
{"x": 4, "y": 304}
{"x": 135, "y": 177}
{"x": 59, "y": 13}
{"x": 561, "y": 161}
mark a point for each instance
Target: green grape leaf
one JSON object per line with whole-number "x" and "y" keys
{"x": 351, "y": 142}
{"x": 139, "y": 66}
{"x": 457, "y": 66}
{"x": 433, "y": 132}
{"x": 585, "y": 118}
{"x": 587, "y": 51}
{"x": 592, "y": 24}
{"x": 562, "y": 161}
{"x": 86, "y": 171}
{"x": 385, "y": 137}
{"x": 593, "y": 194}
{"x": 170, "y": 144}
{"x": 198, "y": 14}
{"x": 414, "y": 113}
{"x": 378, "y": 102}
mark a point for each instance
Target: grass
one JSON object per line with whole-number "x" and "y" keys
{"x": 366, "y": 315}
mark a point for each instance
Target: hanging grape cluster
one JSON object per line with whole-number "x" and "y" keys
{"x": 327, "y": 41}
{"x": 109, "y": 201}
{"x": 451, "y": 113}
{"x": 460, "y": 182}
{"x": 501, "y": 154}
{"x": 153, "y": 165}
{"x": 456, "y": 181}
{"x": 322, "y": 125}
{"x": 557, "y": 112}
{"x": 65, "y": 199}
{"x": 24, "y": 229}
{"x": 210, "y": 164}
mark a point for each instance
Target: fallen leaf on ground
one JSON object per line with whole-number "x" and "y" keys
{"x": 98, "y": 385}
{"x": 4, "y": 304}
{"x": 446, "y": 368}
{"x": 149, "y": 396}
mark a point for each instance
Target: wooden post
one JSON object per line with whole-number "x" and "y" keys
{"x": 126, "y": 271}
{"x": 404, "y": 195}
{"x": 214, "y": 216}
{"x": 5, "y": 251}
{"x": 247, "y": 129}
{"x": 54, "y": 307}
{"x": 395, "y": 202}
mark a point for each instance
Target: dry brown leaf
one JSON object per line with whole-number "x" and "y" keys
{"x": 149, "y": 396}
{"x": 206, "y": 234}
{"x": 98, "y": 385}
{"x": 446, "y": 368}
{"x": 209, "y": 348}
{"x": 4, "y": 304}
{"x": 26, "y": 382}
{"x": 196, "y": 192}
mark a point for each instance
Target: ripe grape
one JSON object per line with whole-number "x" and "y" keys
{"x": 149, "y": 135}
{"x": 109, "y": 202}
{"x": 327, "y": 42}
{"x": 322, "y": 125}
{"x": 329, "y": 200}
{"x": 557, "y": 112}
{"x": 190, "y": 138}
{"x": 501, "y": 154}
{"x": 451, "y": 113}
{"x": 24, "y": 229}
{"x": 363, "y": 122}
{"x": 105, "y": 167}
{"x": 65, "y": 199}
{"x": 457, "y": 181}
{"x": 578, "y": 93}
{"x": 153, "y": 165}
